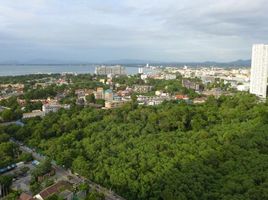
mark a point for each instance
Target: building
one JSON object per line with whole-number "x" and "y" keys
{"x": 53, "y": 189}
{"x": 53, "y": 107}
{"x": 181, "y": 97}
{"x": 216, "y": 92}
{"x": 102, "y": 80}
{"x": 34, "y": 113}
{"x": 200, "y": 100}
{"x": 25, "y": 196}
{"x": 144, "y": 76}
{"x": 259, "y": 70}
{"x": 154, "y": 100}
{"x": 108, "y": 95}
{"x": 140, "y": 70}
{"x": 142, "y": 88}
{"x": 2, "y": 108}
{"x": 99, "y": 94}
{"x": 110, "y": 70}
{"x": 244, "y": 87}
{"x": 114, "y": 104}
{"x": 191, "y": 85}
{"x": 67, "y": 195}
{"x": 170, "y": 76}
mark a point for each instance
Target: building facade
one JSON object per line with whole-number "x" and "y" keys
{"x": 113, "y": 70}
{"x": 142, "y": 88}
{"x": 259, "y": 70}
{"x": 99, "y": 94}
{"x": 108, "y": 95}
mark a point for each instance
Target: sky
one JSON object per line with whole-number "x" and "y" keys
{"x": 156, "y": 30}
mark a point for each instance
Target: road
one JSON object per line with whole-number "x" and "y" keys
{"x": 61, "y": 172}
{"x": 19, "y": 123}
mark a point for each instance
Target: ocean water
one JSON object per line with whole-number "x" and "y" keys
{"x": 13, "y": 70}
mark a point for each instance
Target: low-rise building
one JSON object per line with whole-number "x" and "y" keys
{"x": 170, "y": 76}
{"x": 34, "y": 113}
{"x": 99, "y": 94}
{"x": 216, "y": 92}
{"x": 181, "y": 97}
{"x": 153, "y": 100}
{"x": 144, "y": 76}
{"x": 67, "y": 195}
{"x": 53, "y": 107}
{"x": 114, "y": 104}
{"x": 108, "y": 95}
{"x": 56, "y": 188}
{"x": 142, "y": 88}
{"x": 199, "y": 100}
{"x": 25, "y": 196}
{"x": 2, "y": 108}
{"x": 244, "y": 87}
{"x": 191, "y": 85}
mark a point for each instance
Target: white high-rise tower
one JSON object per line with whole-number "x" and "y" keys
{"x": 259, "y": 70}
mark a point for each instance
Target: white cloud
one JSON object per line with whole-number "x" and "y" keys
{"x": 157, "y": 29}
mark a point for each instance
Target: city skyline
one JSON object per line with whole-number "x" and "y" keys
{"x": 96, "y": 31}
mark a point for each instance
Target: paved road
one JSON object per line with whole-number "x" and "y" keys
{"x": 61, "y": 172}
{"x": 19, "y": 123}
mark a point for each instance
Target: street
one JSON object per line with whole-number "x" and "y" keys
{"x": 62, "y": 174}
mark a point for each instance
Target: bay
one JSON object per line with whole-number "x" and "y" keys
{"x": 13, "y": 70}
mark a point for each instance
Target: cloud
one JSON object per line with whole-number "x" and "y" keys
{"x": 177, "y": 30}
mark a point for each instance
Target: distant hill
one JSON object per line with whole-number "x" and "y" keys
{"x": 237, "y": 63}
{"x": 129, "y": 61}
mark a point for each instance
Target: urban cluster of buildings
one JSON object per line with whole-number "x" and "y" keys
{"x": 237, "y": 78}
{"x": 159, "y": 98}
{"x": 48, "y": 106}
{"x": 112, "y": 99}
{"x": 159, "y": 75}
{"x": 242, "y": 79}
{"x": 9, "y": 90}
{"x": 63, "y": 189}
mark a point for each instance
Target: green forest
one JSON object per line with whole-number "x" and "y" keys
{"x": 210, "y": 151}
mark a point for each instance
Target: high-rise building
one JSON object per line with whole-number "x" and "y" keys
{"x": 110, "y": 70}
{"x": 259, "y": 70}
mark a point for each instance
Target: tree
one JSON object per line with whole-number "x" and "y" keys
{"x": 54, "y": 197}
{"x": 13, "y": 195}
{"x": 26, "y": 157}
{"x": 100, "y": 102}
{"x": 7, "y": 115}
{"x": 91, "y": 98}
{"x": 215, "y": 150}
{"x": 94, "y": 195}
{"x": 43, "y": 168}
{"x": 81, "y": 166}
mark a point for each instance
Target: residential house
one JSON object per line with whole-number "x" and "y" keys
{"x": 56, "y": 188}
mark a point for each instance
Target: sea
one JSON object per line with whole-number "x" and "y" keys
{"x": 14, "y": 70}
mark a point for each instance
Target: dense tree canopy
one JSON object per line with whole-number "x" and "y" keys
{"x": 216, "y": 150}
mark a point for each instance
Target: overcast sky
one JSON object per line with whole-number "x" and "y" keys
{"x": 160, "y": 30}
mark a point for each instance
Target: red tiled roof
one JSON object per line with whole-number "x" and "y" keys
{"x": 24, "y": 196}
{"x": 181, "y": 96}
{"x": 53, "y": 189}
